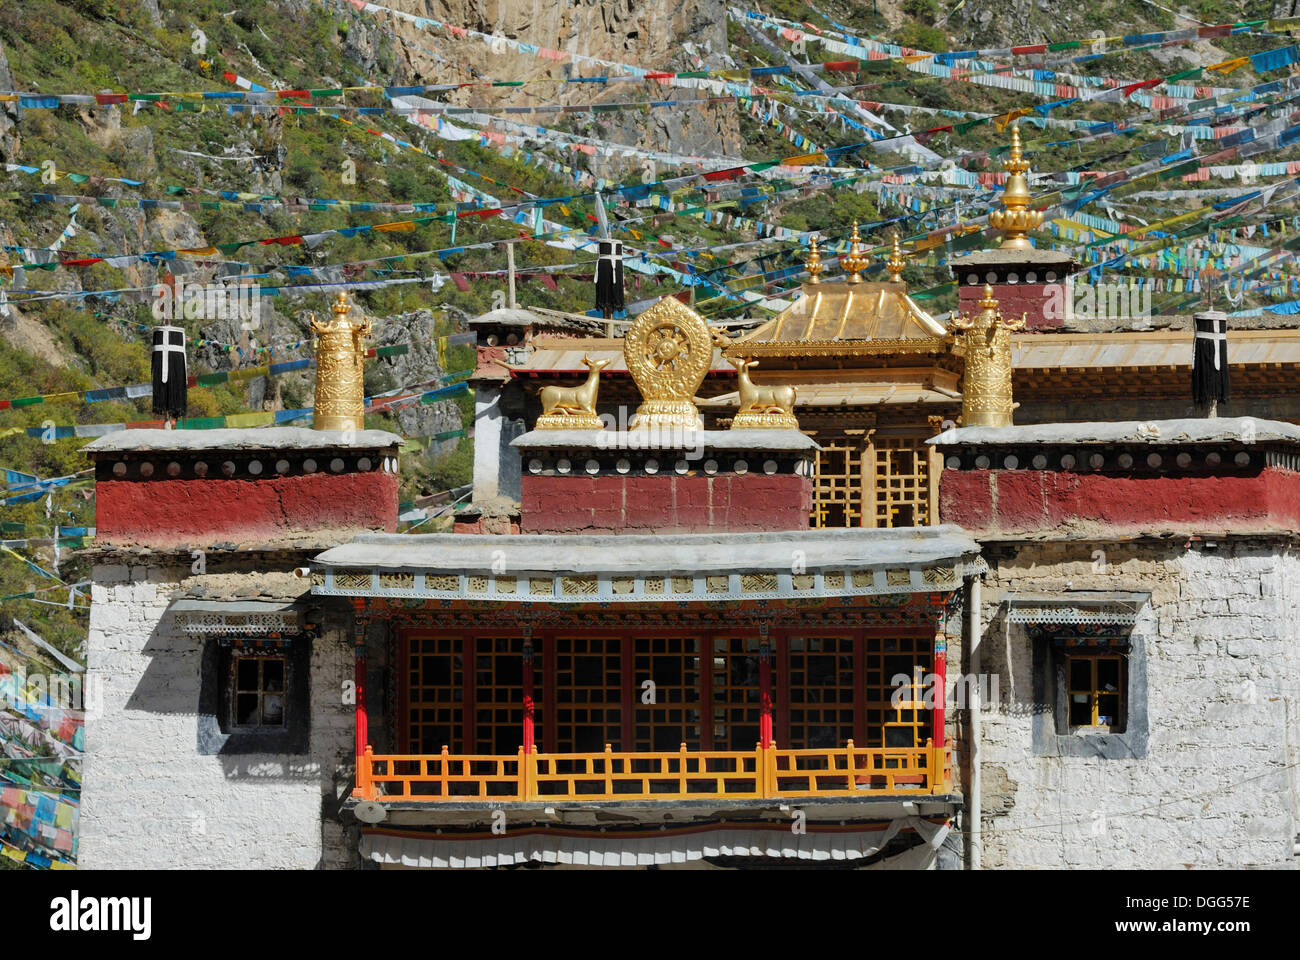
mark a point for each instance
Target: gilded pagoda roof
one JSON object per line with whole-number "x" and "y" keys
{"x": 873, "y": 317}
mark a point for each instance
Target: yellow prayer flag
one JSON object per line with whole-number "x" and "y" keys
{"x": 1006, "y": 118}
{"x": 403, "y": 227}
{"x": 250, "y": 419}
{"x": 1227, "y": 66}
{"x": 248, "y": 373}
{"x": 804, "y": 159}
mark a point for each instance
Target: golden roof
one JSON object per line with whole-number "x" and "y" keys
{"x": 880, "y": 315}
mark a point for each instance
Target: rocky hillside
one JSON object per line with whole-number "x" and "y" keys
{"x": 101, "y": 189}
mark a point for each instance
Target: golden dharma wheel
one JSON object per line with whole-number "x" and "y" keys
{"x": 668, "y": 350}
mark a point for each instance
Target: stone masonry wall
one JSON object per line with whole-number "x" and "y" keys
{"x": 1221, "y": 638}
{"x": 150, "y": 799}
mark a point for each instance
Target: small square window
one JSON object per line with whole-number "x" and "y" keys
{"x": 259, "y": 686}
{"x": 255, "y": 696}
{"x": 1097, "y": 691}
{"x": 1090, "y": 678}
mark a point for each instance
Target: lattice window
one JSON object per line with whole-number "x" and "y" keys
{"x": 896, "y": 492}
{"x": 260, "y": 683}
{"x": 435, "y": 693}
{"x": 837, "y": 483}
{"x": 673, "y": 664}
{"x": 822, "y": 696}
{"x": 736, "y": 694}
{"x": 902, "y": 482}
{"x": 588, "y": 694}
{"x": 499, "y": 695}
{"x": 909, "y": 724}
{"x": 1096, "y": 690}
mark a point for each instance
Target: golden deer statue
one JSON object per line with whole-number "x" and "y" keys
{"x": 761, "y": 407}
{"x": 755, "y": 399}
{"x": 573, "y": 408}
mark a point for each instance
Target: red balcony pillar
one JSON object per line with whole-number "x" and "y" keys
{"x": 359, "y": 675}
{"x": 940, "y": 686}
{"x": 765, "y": 687}
{"x": 529, "y": 718}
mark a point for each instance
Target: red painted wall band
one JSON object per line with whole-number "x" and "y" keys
{"x": 178, "y": 512}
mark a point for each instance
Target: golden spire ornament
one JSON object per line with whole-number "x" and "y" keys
{"x": 340, "y": 355}
{"x": 814, "y": 262}
{"x": 1015, "y": 220}
{"x": 856, "y": 260}
{"x": 896, "y": 261}
{"x": 986, "y": 386}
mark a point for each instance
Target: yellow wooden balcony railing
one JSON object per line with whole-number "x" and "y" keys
{"x": 680, "y": 775}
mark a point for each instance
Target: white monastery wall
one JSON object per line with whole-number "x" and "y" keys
{"x": 1221, "y": 644}
{"x": 151, "y": 799}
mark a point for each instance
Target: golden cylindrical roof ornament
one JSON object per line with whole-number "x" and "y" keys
{"x": 986, "y": 386}
{"x": 340, "y": 356}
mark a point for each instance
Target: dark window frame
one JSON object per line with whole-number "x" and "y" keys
{"x": 234, "y": 692}
{"x": 1053, "y": 734}
{"x": 217, "y": 733}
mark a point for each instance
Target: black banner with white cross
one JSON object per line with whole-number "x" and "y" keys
{"x": 170, "y": 377}
{"x": 1210, "y": 359}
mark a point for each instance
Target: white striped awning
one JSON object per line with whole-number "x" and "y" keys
{"x": 588, "y": 849}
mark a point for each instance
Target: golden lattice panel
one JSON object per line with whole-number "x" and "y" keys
{"x": 880, "y": 482}
{"x": 837, "y": 483}
{"x": 902, "y": 482}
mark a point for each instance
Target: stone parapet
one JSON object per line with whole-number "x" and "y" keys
{"x": 162, "y": 488}
{"x": 1238, "y": 475}
{"x": 669, "y": 482}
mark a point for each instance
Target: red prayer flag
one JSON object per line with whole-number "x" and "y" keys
{"x": 1131, "y": 88}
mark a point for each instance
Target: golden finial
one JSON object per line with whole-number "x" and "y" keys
{"x": 856, "y": 260}
{"x": 986, "y": 385}
{"x": 1015, "y": 220}
{"x": 340, "y": 357}
{"x": 896, "y": 261}
{"x": 814, "y": 262}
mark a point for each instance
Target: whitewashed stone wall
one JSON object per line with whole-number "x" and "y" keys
{"x": 149, "y": 799}
{"x": 1222, "y": 647}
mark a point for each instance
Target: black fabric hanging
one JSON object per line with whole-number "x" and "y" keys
{"x": 609, "y": 276}
{"x": 1210, "y": 359}
{"x": 170, "y": 378}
